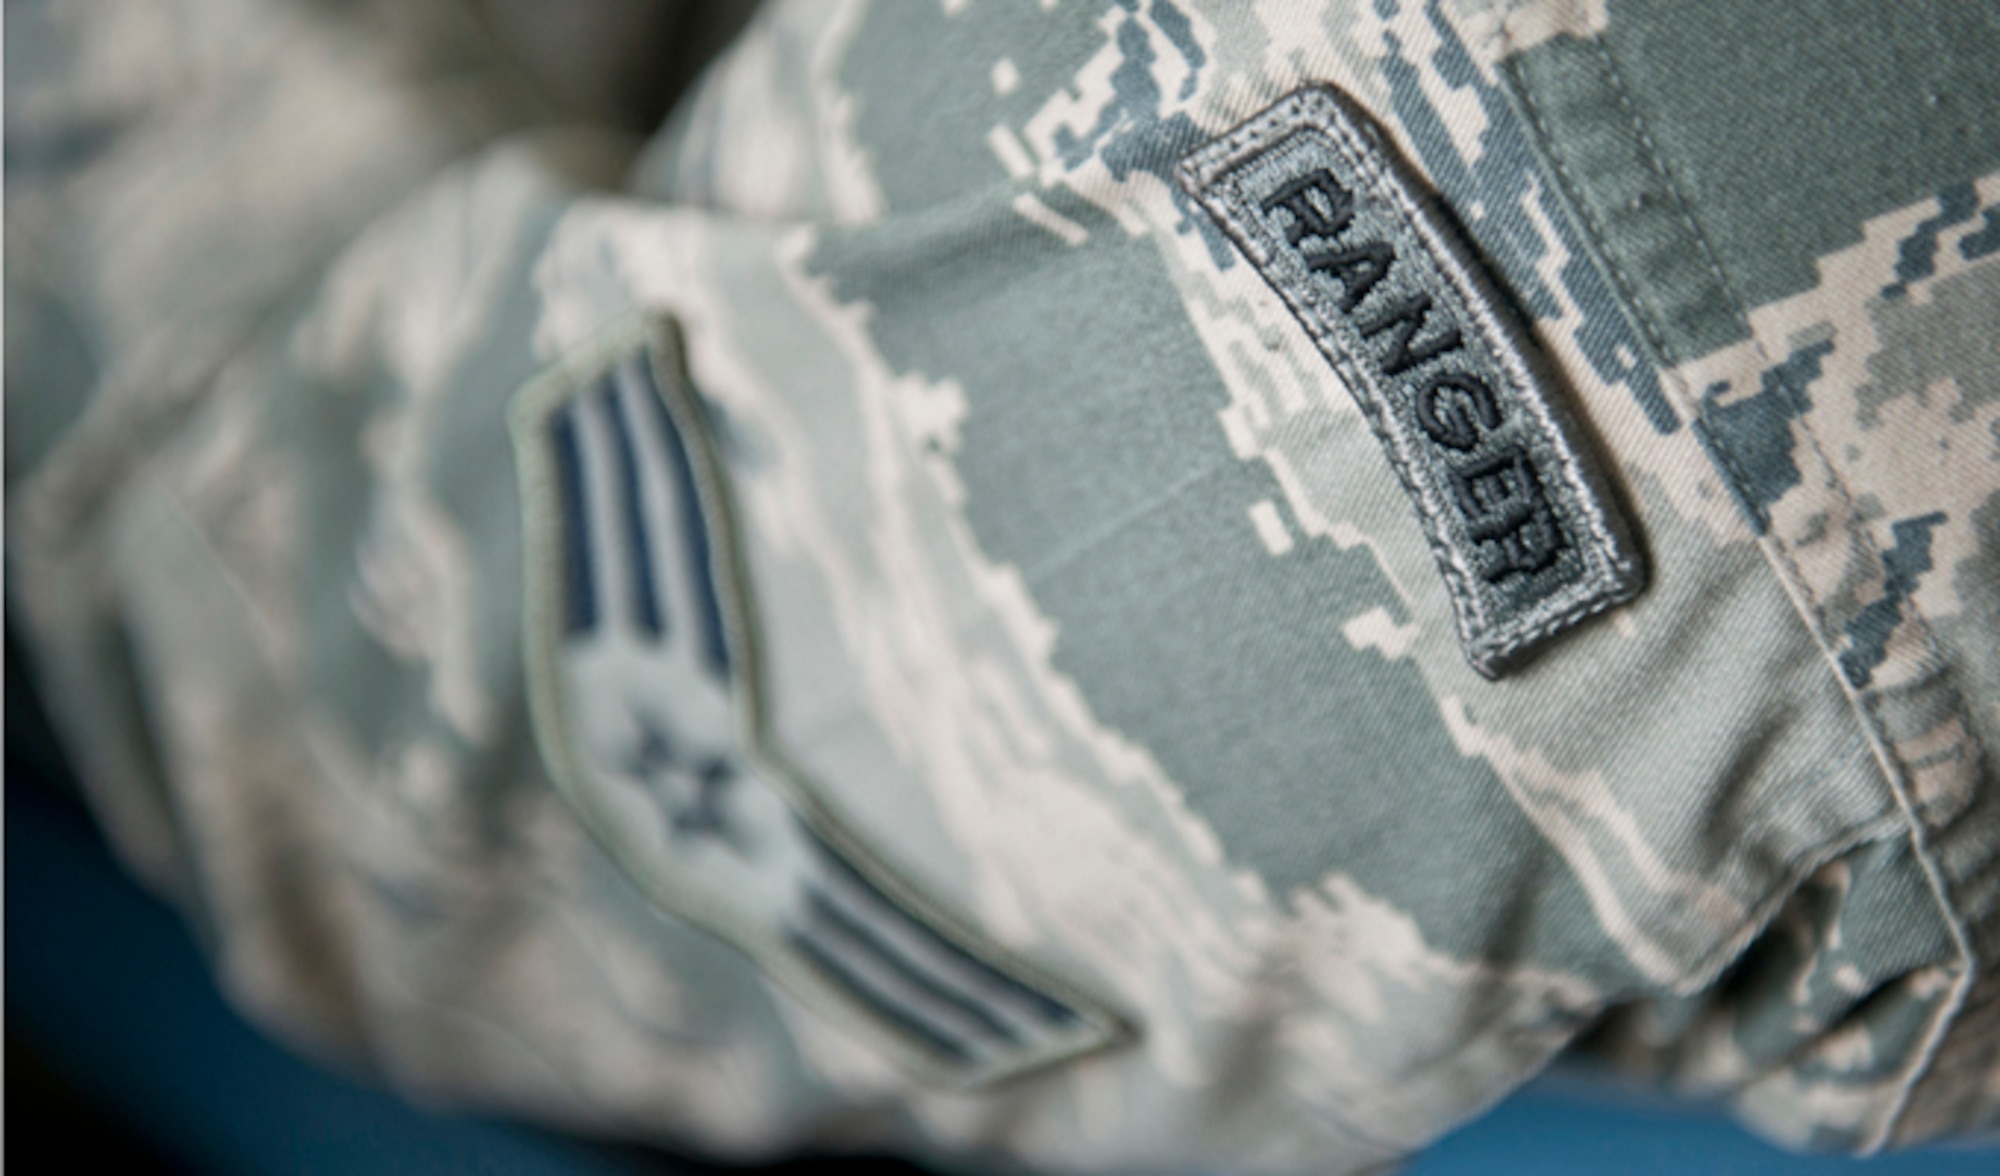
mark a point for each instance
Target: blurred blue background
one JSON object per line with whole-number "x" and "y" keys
{"x": 122, "y": 1057}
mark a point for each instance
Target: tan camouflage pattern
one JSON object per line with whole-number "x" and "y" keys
{"x": 272, "y": 574}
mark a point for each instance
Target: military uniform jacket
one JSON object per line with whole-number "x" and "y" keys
{"x": 1155, "y": 585}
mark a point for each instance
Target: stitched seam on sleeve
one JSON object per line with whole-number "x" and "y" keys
{"x": 1899, "y": 771}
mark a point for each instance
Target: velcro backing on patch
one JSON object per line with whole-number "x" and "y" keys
{"x": 644, "y": 681}
{"x": 1526, "y": 535}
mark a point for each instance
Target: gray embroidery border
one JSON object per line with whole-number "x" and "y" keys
{"x": 1615, "y": 572}
{"x": 659, "y": 336}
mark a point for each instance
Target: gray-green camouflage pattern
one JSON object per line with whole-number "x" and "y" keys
{"x": 1086, "y": 592}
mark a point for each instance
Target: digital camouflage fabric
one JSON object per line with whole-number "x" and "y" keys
{"x": 1088, "y": 613}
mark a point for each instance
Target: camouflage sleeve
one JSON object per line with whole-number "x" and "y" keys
{"x": 1114, "y": 584}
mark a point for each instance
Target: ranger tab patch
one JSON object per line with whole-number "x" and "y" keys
{"x": 1523, "y": 530}
{"x": 644, "y": 683}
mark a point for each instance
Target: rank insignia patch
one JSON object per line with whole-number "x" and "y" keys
{"x": 643, "y": 672}
{"x": 1527, "y": 538}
